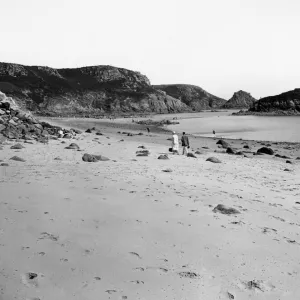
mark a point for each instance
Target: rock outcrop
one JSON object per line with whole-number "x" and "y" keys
{"x": 193, "y": 96}
{"x": 286, "y": 104}
{"x": 240, "y": 100}
{"x": 18, "y": 124}
{"x": 84, "y": 91}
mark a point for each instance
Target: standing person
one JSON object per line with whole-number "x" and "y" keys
{"x": 60, "y": 133}
{"x": 185, "y": 144}
{"x": 148, "y": 129}
{"x": 175, "y": 143}
{"x": 214, "y": 133}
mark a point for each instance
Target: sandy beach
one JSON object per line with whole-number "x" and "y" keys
{"x": 143, "y": 228}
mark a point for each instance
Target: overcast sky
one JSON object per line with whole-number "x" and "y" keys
{"x": 220, "y": 45}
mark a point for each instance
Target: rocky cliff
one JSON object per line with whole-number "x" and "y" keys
{"x": 240, "y": 99}
{"x": 285, "y": 103}
{"x": 193, "y": 96}
{"x": 84, "y": 91}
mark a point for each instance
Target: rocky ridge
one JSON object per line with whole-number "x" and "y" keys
{"x": 193, "y": 96}
{"x": 285, "y": 102}
{"x": 239, "y": 99}
{"x": 84, "y": 91}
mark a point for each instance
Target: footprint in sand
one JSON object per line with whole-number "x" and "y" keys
{"x": 110, "y": 291}
{"x": 160, "y": 270}
{"x": 135, "y": 254}
{"x": 31, "y": 279}
{"x": 191, "y": 275}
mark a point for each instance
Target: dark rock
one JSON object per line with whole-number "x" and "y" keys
{"x": 246, "y": 146}
{"x": 287, "y": 170}
{"x": 67, "y": 136}
{"x": 213, "y": 160}
{"x": 198, "y": 152}
{"x": 220, "y": 208}
{"x": 17, "y": 146}
{"x": 77, "y": 131}
{"x": 57, "y": 158}
{"x": 93, "y": 158}
{"x": 73, "y": 146}
{"x": 17, "y": 158}
{"x": 142, "y": 153}
{"x": 298, "y": 158}
{"x": 223, "y": 143}
{"x": 168, "y": 170}
{"x": 88, "y": 130}
{"x": 142, "y": 147}
{"x": 289, "y": 162}
{"x": 190, "y": 154}
{"x": 4, "y": 164}
{"x": 163, "y": 156}
{"x": 229, "y": 151}
{"x": 99, "y": 133}
{"x": 239, "y": 153}
{"x": 265, "y": 150}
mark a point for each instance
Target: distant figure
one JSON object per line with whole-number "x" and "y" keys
{"x": 214, "y": 133}
{"x": 175, "y": 143}
{"x": 185, "y": 144}
{"x": 148, "y": 129}
{"x": 60, "y": 133}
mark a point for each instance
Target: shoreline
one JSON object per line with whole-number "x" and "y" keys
{"x": 82, "y": 124}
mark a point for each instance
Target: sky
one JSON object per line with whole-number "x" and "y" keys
{"x": 220, "y": 45}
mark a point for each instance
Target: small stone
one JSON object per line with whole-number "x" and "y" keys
{"x": 190, "y": 154}
{"x": 220, "y": 208}
{"x": 223, "y": 143}
{"x": 17, "y": 146}
{"x": 214, "y": 160}
{"x": 229, "y": 150}
{"x": 17, "y": 158}
{"x": 163, "y": 156}
{"x": 73, "y": 146}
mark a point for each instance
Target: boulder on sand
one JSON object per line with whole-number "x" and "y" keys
{"x": 76, "y": 130}
{"x": 220, "y": 208}
{"x": 230, "y": 150}
{"x": 214, "y": 160}
{"x": 265, "y": 150}
{"x": 17, "y": 146}
{"x": 163, "y": 156}
{"x": 223, "y": 143}
{"x": 93, "y": 158}
{"x": 17, "y": 158}
{"x": 198, "y": 152}
{"x": 190, "y": 154}
{"x": 142, "y": 153}
{"x": 73, "y": 146}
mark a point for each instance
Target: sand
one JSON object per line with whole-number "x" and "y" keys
{"x": 125, "y": 229}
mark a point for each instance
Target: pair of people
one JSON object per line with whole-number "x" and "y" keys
{"x": 184, "y": 143}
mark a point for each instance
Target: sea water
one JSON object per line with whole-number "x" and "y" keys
{"x": 261, "y": 128}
